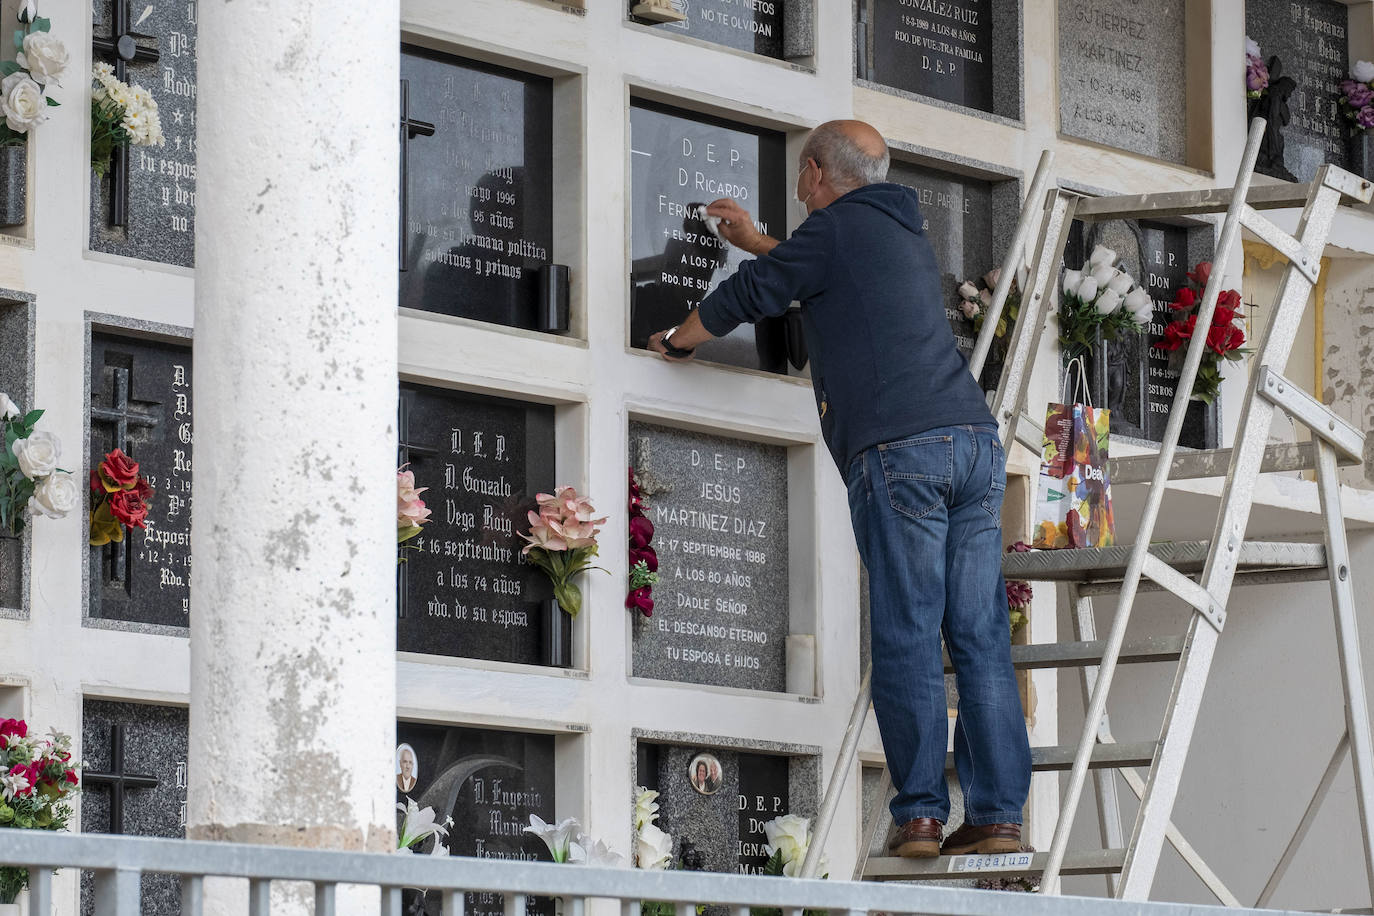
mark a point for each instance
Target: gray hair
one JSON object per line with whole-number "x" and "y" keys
{"x": 846, "y": 164}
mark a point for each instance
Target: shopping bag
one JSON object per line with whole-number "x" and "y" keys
{"x": 1073, "y": 501}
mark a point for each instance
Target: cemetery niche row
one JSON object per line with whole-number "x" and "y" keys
{"x": 775, "y": 29}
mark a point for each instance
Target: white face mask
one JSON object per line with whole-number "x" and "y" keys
{"x": 802, "y": 200}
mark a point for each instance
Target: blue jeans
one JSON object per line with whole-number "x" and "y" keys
{"x": 927, "y": 516}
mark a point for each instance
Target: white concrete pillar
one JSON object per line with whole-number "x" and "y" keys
{"x": 292, "y": 621}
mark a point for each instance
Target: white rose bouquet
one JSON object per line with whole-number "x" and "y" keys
{"x": 39, "y": 61}
{"x": 1100, "y": 296}
{"x": 31, "y": 483}
{"x": 121, "y": 116}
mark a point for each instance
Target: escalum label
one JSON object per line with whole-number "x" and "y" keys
{"x": 998, "y": 862}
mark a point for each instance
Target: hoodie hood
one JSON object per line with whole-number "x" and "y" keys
{"x": 894, "y": 200}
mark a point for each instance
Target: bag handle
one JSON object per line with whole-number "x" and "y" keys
{"x": 1073, "y": 382}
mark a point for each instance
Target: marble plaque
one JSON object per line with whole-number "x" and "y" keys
{"x": 679, "y": 159}
{"x": 719, "y": 508}
{"x": 478, "y": 200}
{"x": 16, "y": 343}
{"x": 1121, "y": 75}
{"x": 141, "y": 403}
{"x": 464, "y": 589}
{"x": 1310, "y": 39}
{"x": 153, "y": 744}
{"x": 489, "y": 782}
{"x": 162, "y": 179}
{"x": 755, "y": 26}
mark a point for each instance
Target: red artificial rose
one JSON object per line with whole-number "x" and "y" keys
{"x": 639, "y": 600}
{"x": 646, "y": 554}
{"x": 128, "y": 508}
{"x": 1222, "y": 316}
{"x": 16, "y": 727}
{"x": 1184, "y": 299}
{"x": 1235, "y": 336}
{"x": 1215, "y": 338}
{"x": 1201, "y": 273}
{"x": 96, "y": 485}
{"x": 1229, "y": 298}
{"x": 144, "y": 491}
{"x": 70, "y": 776}
{"x": 641, "y": 532}
{"x": 119, "y": 469}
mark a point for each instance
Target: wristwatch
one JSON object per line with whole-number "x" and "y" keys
{"x": 675, "y": 352}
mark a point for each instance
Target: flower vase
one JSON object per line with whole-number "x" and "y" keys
{"x": 11, "y": 573}
{"x": 14, "y": 185}
{"x": 556, "y": 635}
{"x": 1361, "y": 150}
{"x": 9, "y": 909}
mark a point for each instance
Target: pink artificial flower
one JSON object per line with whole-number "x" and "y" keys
{"x": 13, "y": 727}
{"x": 410, "y": 509}
{"x": 647, "y": 555}
{"x": 640, "y": 600}
{"x": 543, "y": 535}
{"x": 641, "y": 532}
{"x": 29, "y": 772}
{"x": 991, "y": 277}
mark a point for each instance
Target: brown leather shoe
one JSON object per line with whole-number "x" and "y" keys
{"x": 918, "y": 839}
{"x": 985, "y": 840}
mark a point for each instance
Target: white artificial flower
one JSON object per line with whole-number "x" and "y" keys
{"x": 1072, "y": 279}
{"x": 557, "y": 838}
{"x": 1104, "y": 275}
{"x": 1022, "y": 275}
{"x": 967, "y": 290}
{"x": 12, "y": 785}
{"x": 21, "y": 101}
{"x": 1121, "y": 283}
{"x": 1087, "y": 290}
{"x": 37, "y": 454}
{"x": 8, "y": 409}
{"x": 971, "y": 308}
{"x": 788, "y": 835}
{"x": 1102, "y": 255}
{"x": 653, "y": 848}
{"x": 646, "y": 806}
{"x": 28, "y": 11}
{"x": 1108, "y": 302}
{"x": 418, "y": 824}
{"x": 595, "y": 854}
{"x": 43, "y": 56}
{"x": 1140, "y": 305}
{"x": 55, "y": 495}
{"x": 1363, "y": 71}
{"x": 1252, "y": 48}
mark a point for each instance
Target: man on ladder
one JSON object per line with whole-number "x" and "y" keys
{"x": 909, "y": 429}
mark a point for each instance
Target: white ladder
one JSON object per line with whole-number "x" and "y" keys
{"x": 1200, "y": 573}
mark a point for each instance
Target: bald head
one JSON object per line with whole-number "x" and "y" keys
{"x": 850, "y": 153}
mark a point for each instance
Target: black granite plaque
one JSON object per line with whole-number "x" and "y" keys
{"x": 141, "y": 403}
{"x": 942, "y": 50}
{"x": 679, "y": 159}
{"x": 477, "y": 204}
{"x": 153, "y": 741}
{"x": 1122, "y": 75}
{"x": 162, "y": 179}
{"x": 748, "y": 25}
{"x": 489, "y": 782}
{"x": 719, "y": 508}
{"x": 763, "y": 795}
{"x": 957, "y": 218}
{"x": 1310, "y": 39}
{"x": 464, "y": 589}
{"x": 1136, "y": 381}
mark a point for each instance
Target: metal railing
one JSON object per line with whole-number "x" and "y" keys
{"x": 120, "y": 861}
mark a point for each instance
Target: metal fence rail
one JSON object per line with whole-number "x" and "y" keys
{"x": 119, "y": 862}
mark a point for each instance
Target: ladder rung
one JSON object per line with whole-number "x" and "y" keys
{"x": 1077, "y": 654}
{"x": 895, "y": 868}
{"x": 1278, "y": 459}
{"x": 1103, "y": 564}
{"x": 1105, "y": 756}
{"x": 1191, "y": 203}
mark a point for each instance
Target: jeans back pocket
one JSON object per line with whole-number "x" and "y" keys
{"x": 997, "y": 486}
{"x": 918, "y": 473}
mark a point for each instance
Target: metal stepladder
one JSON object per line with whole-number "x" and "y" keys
{"x": 1199, "y": 573}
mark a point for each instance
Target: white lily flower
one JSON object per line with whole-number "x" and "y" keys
{"x": 419, "y": 824}
{"x": 595, "y": 854}
{"x": 646, "y": 806}
{"x": 1102, "y": 256}
{"x": 653, "y": 848}
{"x": 1108, "y": 302}
{"x": 1072, "y": 279}
{"x": 556, "y": 838}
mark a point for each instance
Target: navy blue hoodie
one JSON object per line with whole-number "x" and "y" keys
{"x": 884, "y": 363}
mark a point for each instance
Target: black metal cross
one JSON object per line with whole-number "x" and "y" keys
{"x": 410, "y": 128}
{"x": 122, "y": 47}
{"x": 122, "y": 416}
{"x": 117, "y": 780}
{"x": 406, "y": 453}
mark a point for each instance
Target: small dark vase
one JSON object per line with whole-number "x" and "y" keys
{"x": 1361, "y": 150}
{"x": 555, "y": 635}
{"x": 11, "y": 569}
{"x": 14, "y": 185}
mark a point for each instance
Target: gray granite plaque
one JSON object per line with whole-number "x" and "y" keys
{"x": 162, "y": 179}
{"x": 755, "y": 26}
{"x": 719, "y": 508}
{"x": 1309, "y": 38}
{"x": 16, "y": 347}
{"x": 133, "y": 744}
{"x": 1121, "y": 75}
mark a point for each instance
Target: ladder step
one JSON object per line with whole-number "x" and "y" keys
{"x": 1078, "y": 654}
{"x": 1190, "y": 203}
{"x": 1105, "y": 756}
{"x": 1278, "y": 459}
{"x": 1107, "y": 564}
{"x": 946, "y": 868}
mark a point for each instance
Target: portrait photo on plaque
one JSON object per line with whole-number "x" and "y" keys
{"x": 704, "y": 774}
{"x": 407, "y": 768}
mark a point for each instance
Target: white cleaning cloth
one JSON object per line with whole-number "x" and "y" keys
{"x": 712, "y": 222}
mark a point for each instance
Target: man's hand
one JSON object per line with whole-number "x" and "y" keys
{"x": 688, "y": 336}
{"x": 656, "y": 344}
{"x": 737, "y": 227}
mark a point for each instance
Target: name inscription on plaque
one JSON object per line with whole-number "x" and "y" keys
{"x": 942, "y": 50}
